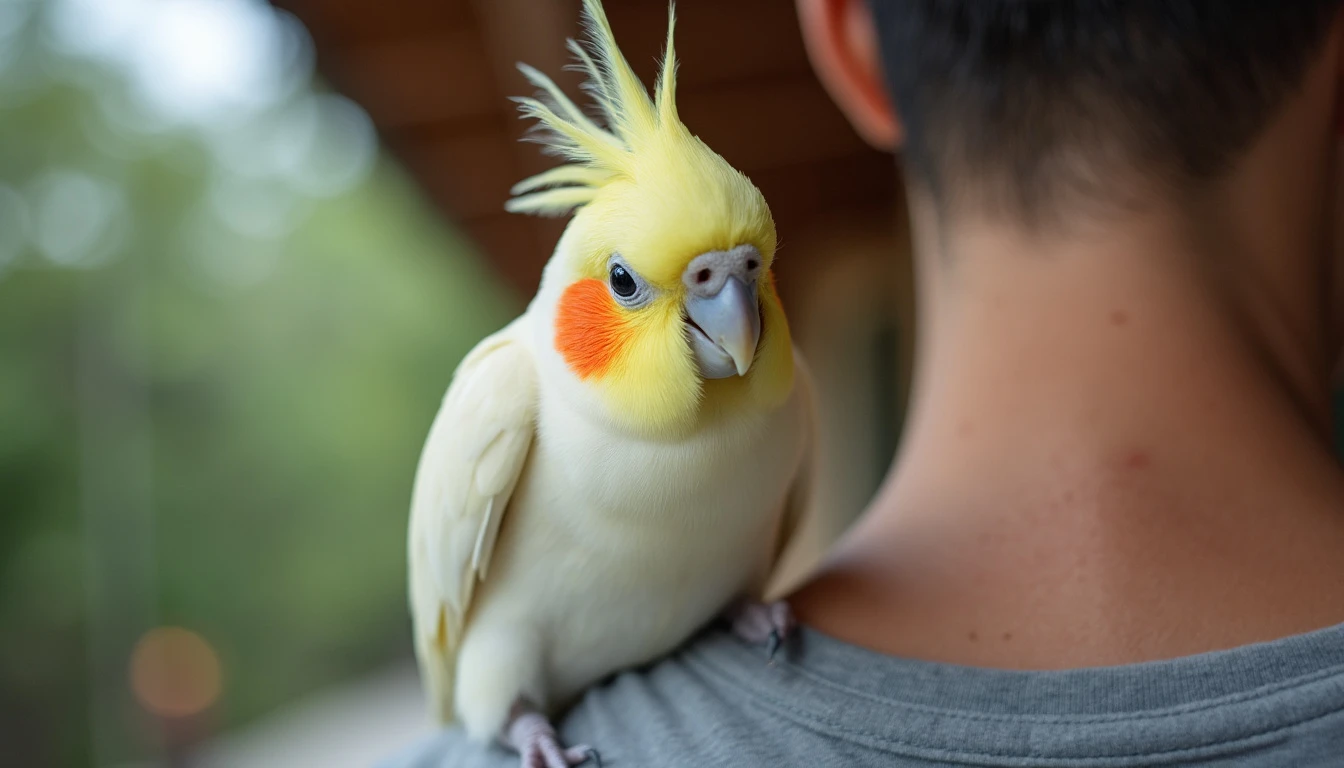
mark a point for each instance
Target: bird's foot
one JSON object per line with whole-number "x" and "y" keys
{"x": 769, "y": 623}
{"x": 533, "y": 736}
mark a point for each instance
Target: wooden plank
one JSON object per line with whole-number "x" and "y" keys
{"x": 759, "y": 125}
{"x": 467, "y": 173}
{"x": 435, "y": 76}
{"x": 518, "y": 246}
{"x": 336, "y": 24}
{"x": 802, "y": 192}
{"x": 532, "y": 31}
{"x": 420, "y": 80}
{"x": 716, "y": 41}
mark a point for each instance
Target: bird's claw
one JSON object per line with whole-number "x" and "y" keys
{"x": 539, "y": 747}
{"x": 768, "y": 623}
{"x": 546, "y": 752}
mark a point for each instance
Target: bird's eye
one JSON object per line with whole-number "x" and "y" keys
{"x": 622, "y": 282}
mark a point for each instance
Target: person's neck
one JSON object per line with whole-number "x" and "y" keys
{"x": 1105, "y": 350}
{"x": 1104, "y": 437}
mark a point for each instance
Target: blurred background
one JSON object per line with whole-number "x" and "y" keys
{"x": 242, "y": 247}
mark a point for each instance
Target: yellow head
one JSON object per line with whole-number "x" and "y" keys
{"x": 669, "y": 307}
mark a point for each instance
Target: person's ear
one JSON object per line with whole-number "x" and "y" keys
{"x": 841, "y": 40}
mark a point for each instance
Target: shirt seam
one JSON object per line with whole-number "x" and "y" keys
{"x": 898, "y": 746}
{"x": 1300, "y": 681}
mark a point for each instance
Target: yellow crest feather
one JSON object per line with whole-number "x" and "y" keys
{"x": 653, "y": 192}
{"x": 596, "y": 155}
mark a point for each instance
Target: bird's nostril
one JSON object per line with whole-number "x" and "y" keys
{"x": 702, "y": 276}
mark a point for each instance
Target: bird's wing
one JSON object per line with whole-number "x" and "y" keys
{"x": 471, "y": 462}
{"x": 805, "y": 532}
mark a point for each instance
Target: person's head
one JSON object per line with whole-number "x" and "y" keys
{"x": 1029, "y": 108}
{"x": 1064, "y": 120}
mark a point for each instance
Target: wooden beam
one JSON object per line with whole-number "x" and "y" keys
{"x": 420, "y": 81}
{"x": 436, "y": 75}
{"x": 800, "y": 193}
{"x": 515, "y": 249}
{"x": 716, "y": 41}
{"x": 531, "y": 31}
{"x": 465, "y": 172}
{"x": 336, "y": 24}
{"x": 759, "y": 125}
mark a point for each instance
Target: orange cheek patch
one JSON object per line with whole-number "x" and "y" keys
{"x": 589, "y": 330}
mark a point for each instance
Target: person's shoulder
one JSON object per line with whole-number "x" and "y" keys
{"x": 690, "y": 708}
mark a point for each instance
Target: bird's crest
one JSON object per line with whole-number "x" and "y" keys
{"x": 597, "y": 155}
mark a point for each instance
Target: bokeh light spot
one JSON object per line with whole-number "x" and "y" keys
{"x": 73, "y": 217}
{"x": 340, "y": 152}
{"x": 254, "y": 208}
{"x": 198, "y": 61}
{"x": 175, "y": 672}
{"x": 224, "y": 257}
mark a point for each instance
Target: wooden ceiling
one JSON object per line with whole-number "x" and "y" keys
{"x": 435, "y": 75}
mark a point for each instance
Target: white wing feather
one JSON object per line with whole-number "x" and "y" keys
{"x": 471, "y": 462}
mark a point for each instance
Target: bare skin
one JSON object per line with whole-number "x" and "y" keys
{"x": 1119, "y": 439}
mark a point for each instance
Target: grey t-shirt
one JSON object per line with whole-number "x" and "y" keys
{"x": 825, "y": 703}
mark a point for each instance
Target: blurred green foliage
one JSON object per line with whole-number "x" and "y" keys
{"x": 282, "y": 399}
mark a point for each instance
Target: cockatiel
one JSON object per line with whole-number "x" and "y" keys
{"x": 626, "y": 459}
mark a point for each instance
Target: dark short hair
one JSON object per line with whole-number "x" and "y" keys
{"x": 1024, "y": 103}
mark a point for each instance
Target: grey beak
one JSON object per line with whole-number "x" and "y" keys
{"x": 726, "y": 327}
